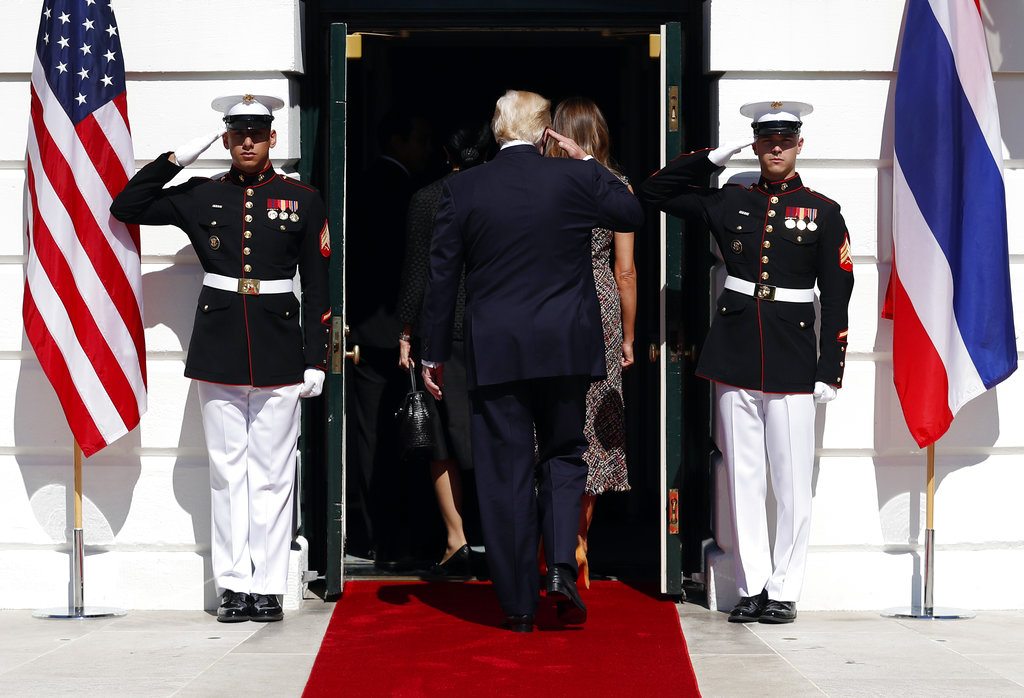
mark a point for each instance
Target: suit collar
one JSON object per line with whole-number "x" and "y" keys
{"x": 783, "y": 186}
{"x": 524, "y": 149}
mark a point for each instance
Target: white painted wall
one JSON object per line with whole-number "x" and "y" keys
{"x": 146, "y": 497}
{"x": 146, "y": 512}
{"x": 869, "y": 505}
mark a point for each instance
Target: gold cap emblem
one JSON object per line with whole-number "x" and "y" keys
{"x": 248, "y": 99}
{"x": 775, "y": 105}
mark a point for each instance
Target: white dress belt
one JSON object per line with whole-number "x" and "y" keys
{"x": 770, "y": 293}
{"x": 249, "y": 287}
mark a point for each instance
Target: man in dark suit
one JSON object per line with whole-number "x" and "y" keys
{"x": 521, "y": 225}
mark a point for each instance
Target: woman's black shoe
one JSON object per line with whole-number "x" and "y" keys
{"x": 457, "y": 566}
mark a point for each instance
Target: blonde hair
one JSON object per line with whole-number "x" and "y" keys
{"x": 520, "y": 116}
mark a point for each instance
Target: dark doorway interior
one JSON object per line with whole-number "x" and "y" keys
{"x": 452, "y": 76}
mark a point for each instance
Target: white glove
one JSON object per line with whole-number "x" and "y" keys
{"x": 720, "y": 155}
{"x": 823, "y": 392}
{"x": 187, "y": 154}
{"x": 312, "y": 382}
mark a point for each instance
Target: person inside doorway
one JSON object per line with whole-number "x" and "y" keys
{"x": 778, "y": 239}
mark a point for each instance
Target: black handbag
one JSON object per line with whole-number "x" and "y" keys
{"x": 415, "y": 422}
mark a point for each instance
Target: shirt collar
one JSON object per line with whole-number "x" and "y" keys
{"x": 782, "y": 186}
{"x": 509, "y": 144}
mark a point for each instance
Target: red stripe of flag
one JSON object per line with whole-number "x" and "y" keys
{"x": 103, "y": 259}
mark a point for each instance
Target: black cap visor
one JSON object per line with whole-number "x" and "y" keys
{"x": 772, "y": 128}
{"x": 248, "y": 122}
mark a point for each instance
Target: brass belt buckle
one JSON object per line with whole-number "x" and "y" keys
{"x": 765, "y": 292}
{"x": 249, "y": 287}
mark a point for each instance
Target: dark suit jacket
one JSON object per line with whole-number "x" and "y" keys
{"x": 245, "y": 339}
{"x": 522, "y": 225}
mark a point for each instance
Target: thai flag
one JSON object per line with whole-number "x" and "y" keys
{"x": 949, "y": 294}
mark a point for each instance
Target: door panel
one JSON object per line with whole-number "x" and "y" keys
{"x": 671, "y": 313}
{"x": 336, "y": 375}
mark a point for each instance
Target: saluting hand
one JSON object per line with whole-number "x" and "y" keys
{"x": 567, "y": 144}
{"x": 186, "y": 154}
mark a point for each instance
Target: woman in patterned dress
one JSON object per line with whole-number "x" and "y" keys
{"x": 615, "y": 278}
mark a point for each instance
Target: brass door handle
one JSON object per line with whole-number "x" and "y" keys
{"x": 653, "y": 352}
{"x": 354, "y": 354}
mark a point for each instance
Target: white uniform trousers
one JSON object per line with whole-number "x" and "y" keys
{"x": 252, "y": 437}
{"x": 759, "y": 433}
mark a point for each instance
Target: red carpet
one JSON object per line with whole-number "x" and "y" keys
{"x": 443, "y": 639}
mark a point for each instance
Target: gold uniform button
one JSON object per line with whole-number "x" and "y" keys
{"x": 771, "y": 213}
{"x": 247, "y": 268}
{"x": 768, "y": 229}
{"x": 799, "y": 238}
{"x": 774, "y": 199}
{"x": 764, "y": 275}
{"x": 247, "y": 234}
{"x": 766, "y": 244}
{"x": 213, "y": 223}
{"x": 764, "y": 260}
{"x": 206, "y": 307}
{"x": 287, "y": 313}
{"x": 248, "y": 204}
{"x": 723, "y": 309}
{"x": 246, "y": 250}
{"x": 842, "y": 363}
{"x": 248, "y": 218}
{"x": 803, "y": 324}
{"x": 248, "y": 192}
{"x": 283, "y": 228}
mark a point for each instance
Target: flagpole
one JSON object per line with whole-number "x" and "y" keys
{"x": 927, "y": 610}
{"x": 76, "y": 607}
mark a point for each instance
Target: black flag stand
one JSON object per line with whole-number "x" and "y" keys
{"x": 76, "y": 607}
{"x": 927, "y": 610}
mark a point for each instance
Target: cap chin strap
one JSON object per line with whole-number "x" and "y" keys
{"x": 248, "y": 122}
{"x": 776, "y": 127}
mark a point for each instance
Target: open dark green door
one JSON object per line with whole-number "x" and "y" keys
{"x": 670, "y": 355}
{"x": 336, "y": 375}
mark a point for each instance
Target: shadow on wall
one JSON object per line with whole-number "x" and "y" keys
{"x": 900, "y": 466}
{"x": 45, "y": 445}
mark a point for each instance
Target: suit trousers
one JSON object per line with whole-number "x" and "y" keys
{"x": 759, "y": 433}
{"x": 251, "y": 436}
{"x": 522, "y": 496}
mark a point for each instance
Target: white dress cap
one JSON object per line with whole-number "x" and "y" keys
{"x": 234, "y": 105}
{"x": 781, "y": 117}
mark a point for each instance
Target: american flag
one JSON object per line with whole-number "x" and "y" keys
{"x": 83, "y": 279}
{"x": 949, "y": 293}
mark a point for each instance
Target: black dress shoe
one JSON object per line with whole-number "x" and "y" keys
{"x": 455, "y": 567}
{"x": 519, "y": 623}
{"x": 561, "y": 587}
{"x": 234, "y": 607}
{"x": 749, "y": 608}
{"x": 778, "y": 612}
{"x": 265, "y": 608}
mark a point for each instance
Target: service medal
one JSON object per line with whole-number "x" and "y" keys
{"x": 790, "y": 223}
{"x": 801, "y": 224}
{"x": 294, "y": 218}
{"x": 812, "y": 226}
{"x": 272, "y": 214}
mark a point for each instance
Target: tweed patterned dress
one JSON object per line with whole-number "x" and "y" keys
{"x": 606, "y": 419}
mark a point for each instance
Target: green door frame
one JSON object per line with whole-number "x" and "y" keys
{"x": 671, "y": 311}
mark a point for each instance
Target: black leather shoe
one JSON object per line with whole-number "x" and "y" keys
{"x": 265, "y": 608}
{"x": 234, "y": 607}
{"x": 561, "y": 587}
{"x": 455, "y": 567}
{"x": 778, "y": 612}
{"x": 519, "y": 623}
{"x": 749, "y": 608}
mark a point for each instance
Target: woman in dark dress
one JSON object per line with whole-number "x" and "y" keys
{"x": 465, "y": 148}
{"x": 615, "y": 279}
